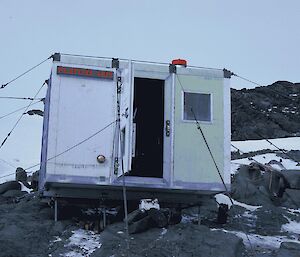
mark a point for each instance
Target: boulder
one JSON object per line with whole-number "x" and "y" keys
{"x": 10, "y": 185}
{"x": 13, "y": 193}
{"x": 293, "y": 178}
{"x": 291, "y": 198}
{"x": 21, "y": 175}
{"x": 158, "y": 218}
{"x": 289, "y": 249}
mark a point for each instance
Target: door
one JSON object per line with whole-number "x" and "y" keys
{"x": 79, "y": 107}
{"x": 168, "y": 129}
{"x": 125, "y": 137}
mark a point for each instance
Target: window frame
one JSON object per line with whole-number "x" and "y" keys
{"x": 211, "y": 106}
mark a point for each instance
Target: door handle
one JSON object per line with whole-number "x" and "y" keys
{"x": 168, "y": 128}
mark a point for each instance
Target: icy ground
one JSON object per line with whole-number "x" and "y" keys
{"x": 261, "y": 228}
{"x": 82, "y": 243}
{"x": 292, "y": 227}
{"x": 288, "y": 143}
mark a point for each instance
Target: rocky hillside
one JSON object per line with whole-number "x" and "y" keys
{"x": 266, "y": 112}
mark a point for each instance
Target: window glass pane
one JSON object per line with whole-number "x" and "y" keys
{"x": 200, "y": 104}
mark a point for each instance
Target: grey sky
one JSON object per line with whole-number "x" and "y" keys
{"x": 258, "y": 39}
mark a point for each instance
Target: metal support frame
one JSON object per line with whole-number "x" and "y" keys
{"x": 227, "y": 73}
{"x": 56, "y": 57}
{"x": 115, "y": 63}
{"x": 104, "y": 216}
{"x": 172, "y": 68}
{"x": 199, "y": 217}
{"x": 55, "y": 210}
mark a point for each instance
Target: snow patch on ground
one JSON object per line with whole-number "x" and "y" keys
{"x": 292, "y": 211}
{"x": 224, "y": 199}
{"x": 289, "y": 143}
{"x": 57, "y": 239}
{"x": 292, "y": 227}
{"x": 271, "y": 242}
{"x": 82, "y": 243}
{"x": 188, "y": 218}
{"x": 24, "y": 188}
{"x": 164, "y": 231}
{"x": 264, "y": 159}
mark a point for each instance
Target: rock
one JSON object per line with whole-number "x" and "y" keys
{"x": 10, "y": 185}
{"x": 158, "y": 218}
{"x": 35, "y": 180}
{"x": 135, "y": 216}
{"x": 222, "y": 214}
{"x": 275, "y": 183}
{"x": 21, "y": 174}
{"x": 184, "y": 240}
{"x": 262, "y": 112}
{"x": 291, "y": 198}
{"x": 173, "y": 216}
{"x": 293, "y": 178}
{"x": 140, "y": 225}
{"x": 57, "y": 228}
{"x": 248, "y": 187}
{"x": 13, "y": 193}
{"x": 289, "y": 249}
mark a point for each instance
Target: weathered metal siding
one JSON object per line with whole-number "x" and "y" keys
{"x": 192, "y": 161}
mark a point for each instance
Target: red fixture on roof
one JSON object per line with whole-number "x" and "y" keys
{"x": 179, "y": 62}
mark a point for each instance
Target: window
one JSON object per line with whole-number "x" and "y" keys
{"x": 197, "y": 104}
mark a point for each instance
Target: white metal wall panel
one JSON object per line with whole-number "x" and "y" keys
{"x": 192, "y": 161}
{"x": 79, "y": 107}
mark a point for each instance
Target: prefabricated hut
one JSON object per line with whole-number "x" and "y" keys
{"x": 109, "y": 121}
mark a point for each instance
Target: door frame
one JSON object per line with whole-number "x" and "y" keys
{"x": 140, "y": 70}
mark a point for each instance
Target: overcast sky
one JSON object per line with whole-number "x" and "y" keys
{"x": 256, "y": 39}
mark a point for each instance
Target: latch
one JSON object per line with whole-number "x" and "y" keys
{"x": 168, "y": 128}
{"x": 116, "y": 166}
{"x": 125, "y": 114}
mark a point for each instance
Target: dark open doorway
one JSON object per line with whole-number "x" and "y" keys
{"x": 149, "y": 125}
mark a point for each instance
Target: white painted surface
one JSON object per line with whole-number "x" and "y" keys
{"x": 79, "y": 107}
{"x": 126, "y": 109}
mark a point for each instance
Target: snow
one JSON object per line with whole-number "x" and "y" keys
{"x": 246, "y": 206}
{"x": 24, "y": 188}
{"x": 292, "y": 227}
{"x": 221, "y": 198}
{"x": 293, "y": 211}
{"x": 264, "y": 159}
{"x": 57, "y": 239}
{"x": 289, "y": 143}
{"x": 188, "y": 218}
{"x": 164, "y": 231}
{"x": 271, "y": 242}
{"x": 82, "y": 243}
